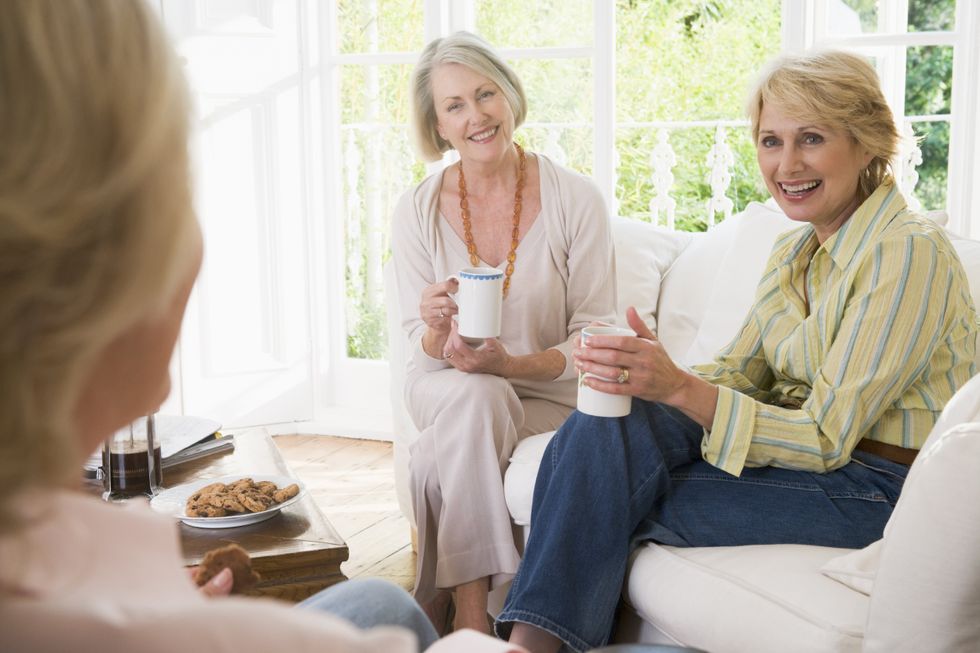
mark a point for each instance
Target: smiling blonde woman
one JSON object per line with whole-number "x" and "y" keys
{"x": 803, "y": 428}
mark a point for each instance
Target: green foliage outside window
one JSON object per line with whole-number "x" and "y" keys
{"x": 683, "y": 61}
{"x": 928, "y": 91}
{"x": 676, "y": 60}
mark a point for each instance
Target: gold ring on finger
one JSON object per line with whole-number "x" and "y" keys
{"x": 624, "y": 376}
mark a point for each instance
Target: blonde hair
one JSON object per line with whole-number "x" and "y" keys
{"x": 95, "y": 211}
{"x": 476, "y": 54}
{"x": 836, "y": 89}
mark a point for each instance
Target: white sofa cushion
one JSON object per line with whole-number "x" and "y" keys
{"x": 644, "y": 252}
{"x": 732, "y": 292}
{"x": 740, "y": 245}
{"x": 926, "y": 594}
{"x": 520, "y": 477}
{"x": 969, "y": 253}
{"x": 757, "y": 599}
{"x": 857, "y": 569}
{"x": 687, "y": 285}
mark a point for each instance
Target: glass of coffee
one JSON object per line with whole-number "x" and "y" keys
{"x": 131, "y": 464}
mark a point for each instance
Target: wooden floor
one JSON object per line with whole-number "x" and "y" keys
{"x": 353, "y": 483}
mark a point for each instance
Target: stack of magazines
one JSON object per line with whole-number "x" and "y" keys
{"x": 182, "y": 438}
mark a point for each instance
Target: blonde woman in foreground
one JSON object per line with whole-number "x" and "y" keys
{"x": 99, "y": 249}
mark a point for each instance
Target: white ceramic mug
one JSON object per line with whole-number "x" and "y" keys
{"x": 479, "y": 299}
{"x": 593, "y": 402}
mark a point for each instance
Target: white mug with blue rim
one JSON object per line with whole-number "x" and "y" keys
{"x": 479, "y": 299}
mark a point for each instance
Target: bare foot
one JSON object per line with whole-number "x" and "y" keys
{"x": 440, "y": 612}
{"x": 479, "y": 623}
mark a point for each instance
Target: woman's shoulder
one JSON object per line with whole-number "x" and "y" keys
{"x": 427, "y": 189}
{"x": 789, "y": 243}
{"x": 891, "y": 221}
{"x": 421, "y": 200}
{"x": 569, "y": 198}
{"x": 913, "y": 230}
{"x": 914, "y": 223}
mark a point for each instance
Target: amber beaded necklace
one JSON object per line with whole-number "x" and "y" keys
{"x": 464, "y": 209}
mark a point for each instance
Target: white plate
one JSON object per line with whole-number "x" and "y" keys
{"x": 173, "y": 501}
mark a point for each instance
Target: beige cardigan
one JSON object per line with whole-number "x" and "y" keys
{"x": 564, "y": 276}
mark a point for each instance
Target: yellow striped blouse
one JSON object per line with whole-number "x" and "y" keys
{"x": 888, "y": 337}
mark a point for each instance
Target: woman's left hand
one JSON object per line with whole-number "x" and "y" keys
{"x": 647, "y": 369}
{"x": 220, "y": 585}
{"x": 491, "y": 358}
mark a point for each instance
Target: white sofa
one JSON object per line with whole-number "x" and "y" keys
{"x": 917, "y": 590}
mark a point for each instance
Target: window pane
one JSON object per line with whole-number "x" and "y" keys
{"x": 375, "y": 93}
{"x": 233, "y": 49}
{"x": 934, "y": 143}
{"x": 560, "y": 114}
{"x": 379, "y": 25}
{"x": 542, "y": 23}
{"x": 932, "y": 15}
{"x": 377, "y": 167}
{"x": 870, "y": 16}
{"x": 569, "y": 146}
{"x": 928, "y": 80}
{"x": 672, "y": 64}
{"x": 691, "y": 145}
{"x": 852, "y": 17}
{"x": 685, "y": 62}
{"x": 558, "y": 90}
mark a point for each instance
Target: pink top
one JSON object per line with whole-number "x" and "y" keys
{"x": 86, "y": 575}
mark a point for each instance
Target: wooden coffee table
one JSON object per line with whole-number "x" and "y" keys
{"x": 297, "y": 552}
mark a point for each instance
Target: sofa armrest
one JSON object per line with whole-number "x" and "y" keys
{"x": 926, "y": 593}
{"x": 404, "y": 428}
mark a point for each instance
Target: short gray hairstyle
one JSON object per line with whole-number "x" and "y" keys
{"x": 476, "y": 54}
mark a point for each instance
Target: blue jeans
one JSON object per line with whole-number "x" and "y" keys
{"x": 373, "y": 602}
{"x": 605, "y": 485}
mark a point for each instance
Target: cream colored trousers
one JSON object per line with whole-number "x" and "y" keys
{"x": 469, "y": 425}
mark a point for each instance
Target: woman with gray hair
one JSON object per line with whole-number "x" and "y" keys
{"x": 548, "y": 229}
{"x": 802, "y": 429}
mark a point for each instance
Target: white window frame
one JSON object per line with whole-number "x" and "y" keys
{"x": 354, "y": 393}
{"x": 803, "y": 28}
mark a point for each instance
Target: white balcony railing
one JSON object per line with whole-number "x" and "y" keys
{"x": 378, "y": 166}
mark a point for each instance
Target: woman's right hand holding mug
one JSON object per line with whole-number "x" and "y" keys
{"x": 437, "y": 307}
{"x": 436, "y": 310}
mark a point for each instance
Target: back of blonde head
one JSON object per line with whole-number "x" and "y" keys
{"x": 94, "y": 209}
{"x": 837, "y": 89}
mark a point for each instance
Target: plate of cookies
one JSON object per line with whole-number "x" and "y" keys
{"x": 228, "y": 501}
